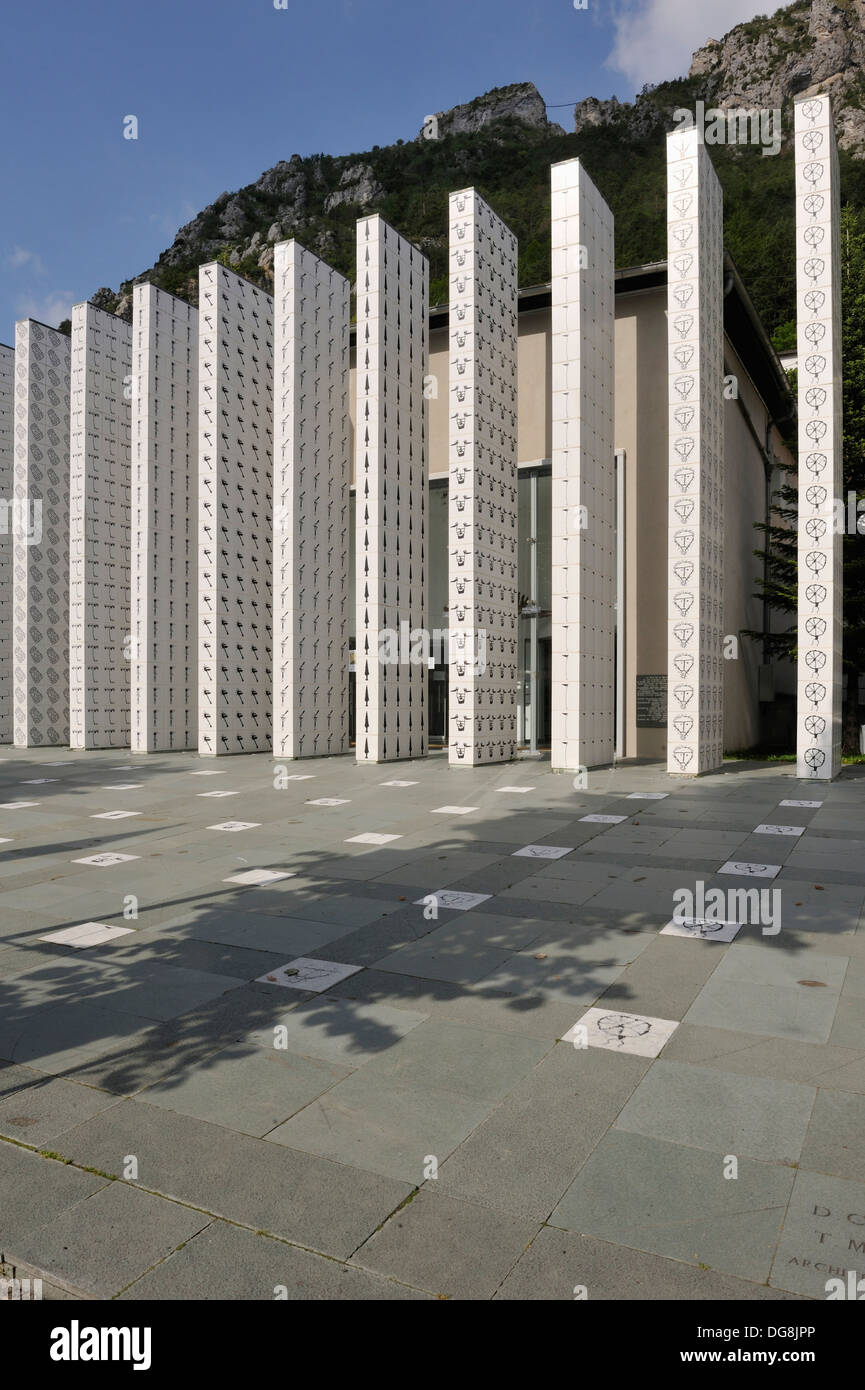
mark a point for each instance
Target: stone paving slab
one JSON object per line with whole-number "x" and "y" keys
{"x": 309, "y": 1200}
{"x": 228, "y": 1261}
{"x": 420, "y": 1121}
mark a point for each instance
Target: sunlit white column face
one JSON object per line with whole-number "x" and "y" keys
{"x": 695, "y": 329}
{"x": 482, "y": 495}
{"x": 7, "y": 416}
{"x": 235, "y": 502}
{"x": 39, "y": 540}
{"x": 583, "y": 473}
{"x": 392, "y": 660}
{"x": 818, "y": 317}
{"x": 100, "y": 641}
{"x": 311, "y": 505}
{"x": 164, "y": 499}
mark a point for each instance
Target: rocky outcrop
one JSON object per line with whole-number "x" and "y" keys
{"x": 358, "y": 187}
{"x": 813, "y": 45}
{"x": 520, "y": 102}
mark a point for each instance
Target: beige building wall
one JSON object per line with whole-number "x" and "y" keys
{"x": 641, "y": 431}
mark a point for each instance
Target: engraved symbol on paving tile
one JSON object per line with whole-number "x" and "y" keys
{"x": 252, "y": 877}
{"x": 543, "y": 851}
{"x": 647, "y": 796}
{"x": 701, "y": 928}
{"x": 779, "y": 830}
{"x": 516, "y": 789}
{"x": 304, "y": 973}
{"x": 448, "y": 897}
{"x": 604, "y": 820}
{"x": 17, "y": 805}
{"x": 371, "y": 838}
{"x": 812, "y": 804}
{"x": 115, "y": 815}
{"x": 453, "y": 810}
{"x": 104, "y": 861}
{"x": 329, "y": 801}
{"x": 398, "y": 784}
{"x": 226, "y": 793}
{"x": 236, "y": 825}
{"x": 618, "y": 1032}
{"x": 734, "y": 866}
{"x": 88, "y": 934}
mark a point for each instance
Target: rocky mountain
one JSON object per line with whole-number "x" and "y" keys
{"x": 503, "y": 143}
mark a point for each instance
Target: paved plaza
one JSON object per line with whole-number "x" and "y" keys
{"x": 327, "y": 1031}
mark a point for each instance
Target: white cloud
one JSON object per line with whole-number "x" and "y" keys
{"x": 21, "y": 258}
{"x": 656, "y": 38}
{"x": 50, "y": 308}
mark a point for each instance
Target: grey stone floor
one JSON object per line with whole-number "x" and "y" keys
{"x": 178, "y": 1122}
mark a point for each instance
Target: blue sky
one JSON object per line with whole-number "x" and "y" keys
{"x": 222, "y": 89}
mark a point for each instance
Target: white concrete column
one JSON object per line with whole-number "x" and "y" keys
{"x": 695, "y": 332}
{"x": 482, "y": 496}
{"x": 235, "y": 502}
{"x": 391, "y": 495}
{"x": 40, "y": 538}
{"x": 311, "y": 505}
{"x": 164, "y": 590}
{"x": 818, "y": 318}
{"x": 584, "y": 473}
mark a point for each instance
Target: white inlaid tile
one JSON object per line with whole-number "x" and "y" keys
{"x": 647, "y": 796}
{"x": 734, "y": 866}
{"x": 450, "y": 897}
{"x": 453, "y": 810}
{"x": 329, "y": 801}
{"x": 619, "y": 1032}
{"x": 105, "y": 861}
{"x": 543, "y": 851}
{"x": 210, "y": 772}
{"x": 123, "y": 787}
{"x": 236, "y": 825}
{"x": 115, "y": 815}
{"x": 810, "y": 804}
{"x": 304, "y": 973}
{"x": 39, "y": 781}
{"x": 779, "y": 830}
{"x": 301, "y": 777}
{"x": 254, "y": 877}
{"x": 88, "y": 934}
{"x": 17, "y": 805}
{"x": 226, "y": 793}
{"x": 371, "y": 838}
{"x": 516, "y": 789}
{"x": 702, "y": 928}
{"x": 604, "y": 820}
{"x": 397, "y": 784}
{"x": 6, "y": 840}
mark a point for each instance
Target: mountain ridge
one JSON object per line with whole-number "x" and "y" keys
{"x": 503, "y": 143}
